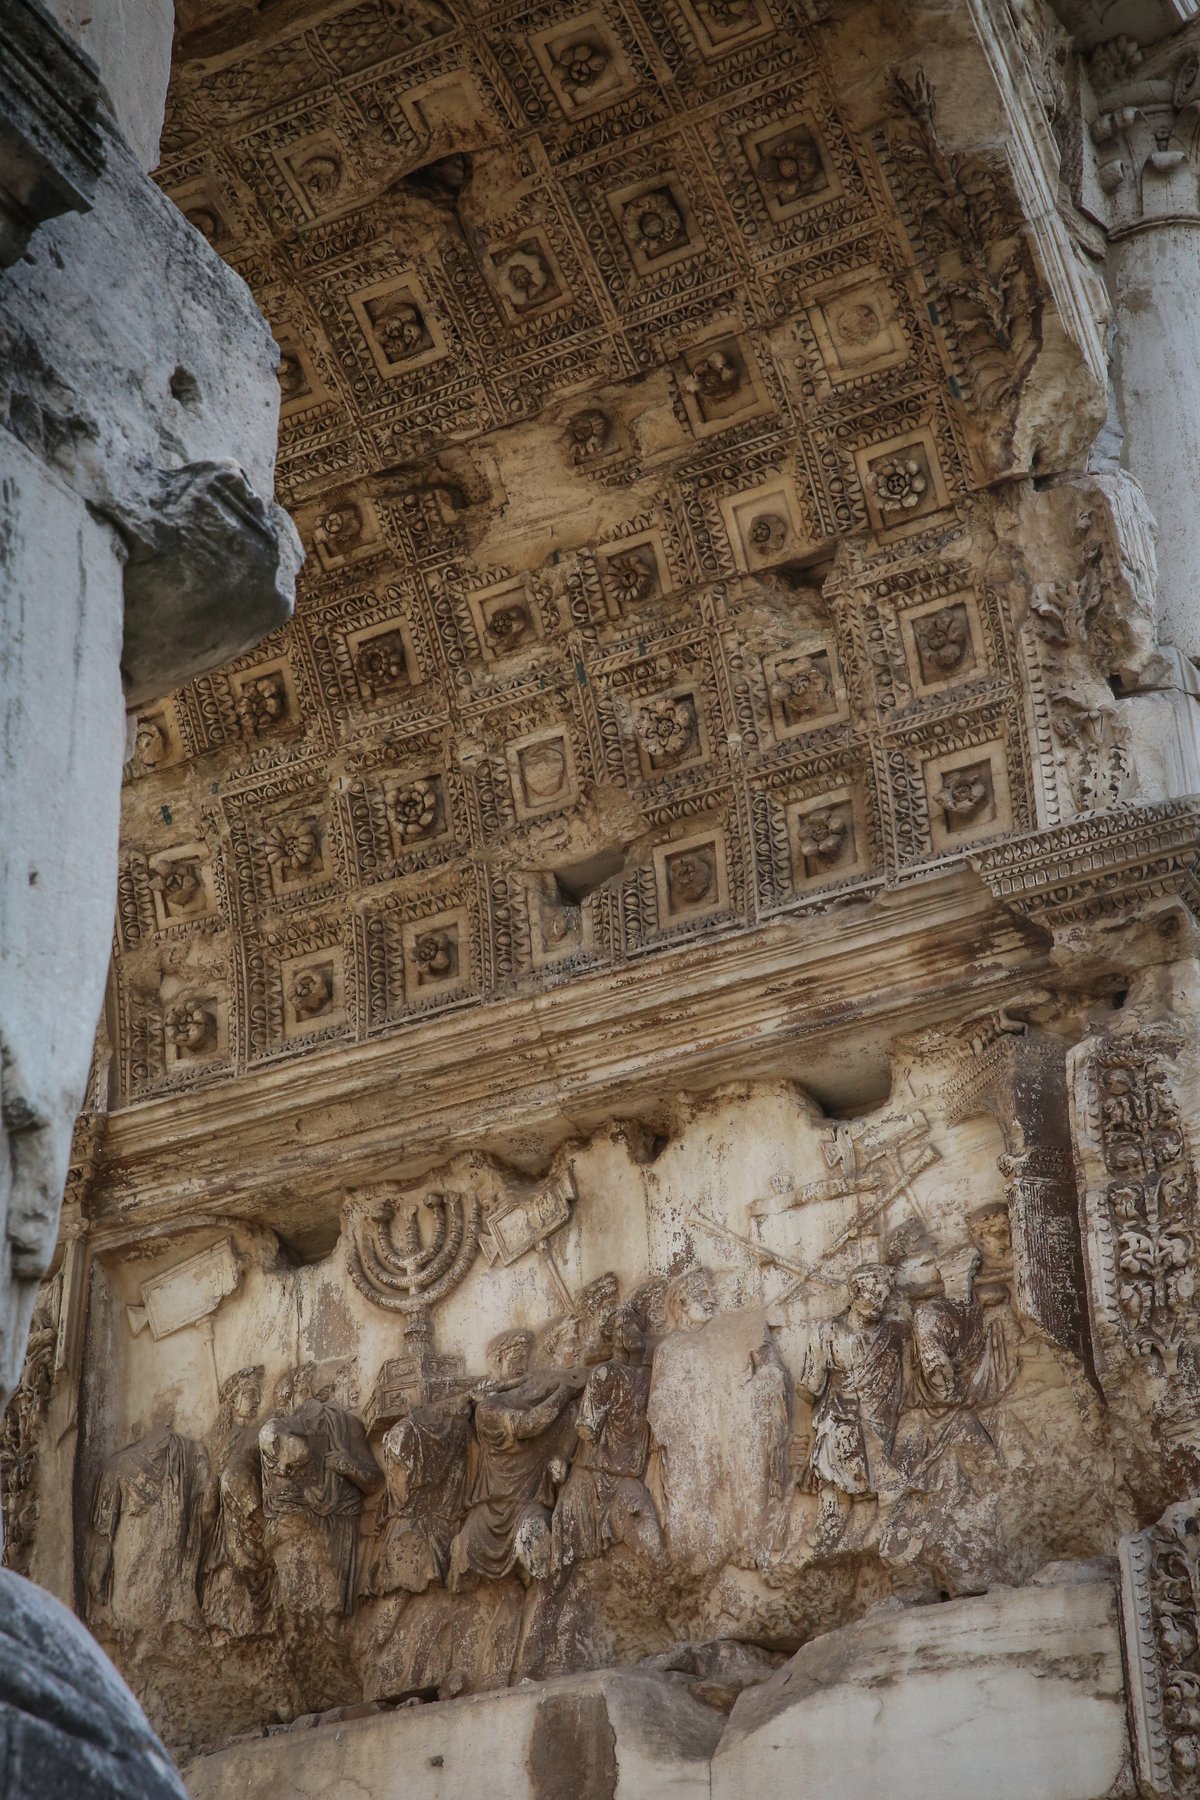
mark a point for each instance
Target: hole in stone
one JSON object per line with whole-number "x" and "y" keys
{"x": 1118, "y": 999}
{"x": 801, "y": 573}
{"x": 184, "y": 387}
{"x": 311, "y": 1244}
{"x": 443, "y": 179}
{"x": 411, "y": 1697}
{"x": 575, "y": 881}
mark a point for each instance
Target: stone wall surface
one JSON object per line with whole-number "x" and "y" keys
{"x": 636, "y": 1218}
{"x": 1013, "y": 1696}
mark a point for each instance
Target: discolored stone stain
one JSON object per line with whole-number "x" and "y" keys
{"x": 572, "y": 1751}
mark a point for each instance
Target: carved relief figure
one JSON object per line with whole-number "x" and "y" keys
{"x": 424, "y": 1467}
{"x": 944, "y": 1455}
{"x": 854, "y": 1375}
{"x": 523, "y": 1431}
{"x": 149, "y": 1519}
{"x": 317, "y": 1467}
{"x": 237, "y": 1577}
{"x": 605, "y": 1500}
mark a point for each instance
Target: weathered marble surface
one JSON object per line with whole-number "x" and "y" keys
{"x": 1011, "y": 1696}
{"x": 615, "y": 1736}
{"x": 70, "y": 1726}
{"x": 134, "y": 552}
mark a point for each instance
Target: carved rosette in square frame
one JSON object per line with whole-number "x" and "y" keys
{"x": 341, "y": 529}
{"x": 287, "y": 851}
{"x": 970, "y": 765}
{"x": 633, "y": 572}
{"x": 657, "y": 227}
{"x": 438, "y": 960}
{"x": 856, "y": 328}
{"x": 828, "y": 839}
{"x": 944, "y": 643}
{"x": 374, "y": 655}
{"x": 902, "y": 482}
{"x": 398, "y": 324}
{"x": 913, "y": 659}
{"x": 299, "y": 162}
{"x": 294, "y": 986}
{"x": 207, "y": 200}
{"x": 506, "y": 617}
{"x": 420, "y": 948}
{"x": 804, "y": 687}
{"x": 793, "y": 180}
{"x": 720, "y": 382}
{"x": 967, "y": 795}
{"x": 195, "y": 1022}
{"x": 719, "y": 29}
{"x": 585, "y": 63}
{"x": 302, "y": 387}
{"x": 815, "y": 831}
{"x": 766, "y": 525}
{"x": 183, "y": 887}
{"x": 692, "y": 882}
{"x": 691, "y": 879}
{"x": 527, "y": 277}
{"x": 264, "y": 701}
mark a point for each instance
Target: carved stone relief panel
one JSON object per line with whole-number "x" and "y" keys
{"x": 757, "y": 1365}
{"x": 1132, "y": 1106}
{"x": 1160, "y": 1596}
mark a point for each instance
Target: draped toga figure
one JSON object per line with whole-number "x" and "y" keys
{"x": 605, "y": 1500}
{"x": 424, "y": 1464}
{"x": 317, "y": 1467}
{"x": 523, "y": 1436}
{"x": 961, "y": 1363}
{"x": 237, "y": 1578}
{"x": 149, "y": 1521}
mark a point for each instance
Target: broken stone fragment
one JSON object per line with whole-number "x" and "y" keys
{"x": 211, "y": 570}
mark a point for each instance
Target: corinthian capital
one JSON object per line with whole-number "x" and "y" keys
{"x": 1146, "y": 129}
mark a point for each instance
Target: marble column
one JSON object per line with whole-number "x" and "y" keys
{"x": 1146, "y": 134}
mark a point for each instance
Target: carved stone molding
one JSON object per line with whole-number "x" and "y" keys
{"x": 1104, "y": 869}
{"x": 51, "y": 147}
{"x": 1160, "y": 1610}
{"x": 559, "y": 1055}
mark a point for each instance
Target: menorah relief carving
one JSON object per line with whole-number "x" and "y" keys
{"x": 408, "y": 1251}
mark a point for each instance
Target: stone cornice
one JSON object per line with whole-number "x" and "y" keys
{"x": 1100, "y": 867}
{"x": 774, "y": 1002}
{"x": 785, "y": 1000}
